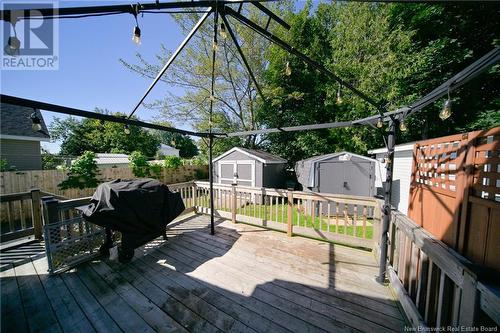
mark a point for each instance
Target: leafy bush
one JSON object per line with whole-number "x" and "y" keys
{"x": 155, "y": 170}
{"x": 200, "y": 174}
{"x": 82, "y": 173}
{"x": 199, "y": 160}
{"x": 139, "y": 164}
{"x": 50, "y": 161}
{"x": 4, "y": 165}
{"x": 172, "y": 162}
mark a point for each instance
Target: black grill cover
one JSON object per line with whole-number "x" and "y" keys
{"x": 140, "y": 209}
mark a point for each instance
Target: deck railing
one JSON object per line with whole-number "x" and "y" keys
{"x": 435, "y": 285}
{"x": 20, "y": 215}
{"x": 345, "y": 219}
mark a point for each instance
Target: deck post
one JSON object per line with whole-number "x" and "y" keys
{"x": 289, "y": 215}
{"x": 233, "y": 203}
{"x": 36, "y": 213}
{"x": 386, "y": 210}
{"x": 469, "y": 301}
{"x": 195, "y": 196}
{"x": 211, "y": 180}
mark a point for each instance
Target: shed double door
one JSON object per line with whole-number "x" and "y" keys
{"x": 244, "y": 171}
{"x": 345, "y": 177}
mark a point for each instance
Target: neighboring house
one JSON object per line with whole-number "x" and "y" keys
{"x": 168, "y": 151}
{"x": 250, "y": 168}
{"x": 403, "y": 161}
{"x": 112, "y": 160}
{"x": 19, "y": 144}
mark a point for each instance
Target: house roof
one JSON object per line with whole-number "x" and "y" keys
{"x": 15, "y": 123}
{"x": 259, "y": 155}
{"x": 164, "y": 147}
{"x": 105, "y": 158}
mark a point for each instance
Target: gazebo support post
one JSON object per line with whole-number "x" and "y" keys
{"x": 386, "y": 210}
{"x": 211, "y": 180}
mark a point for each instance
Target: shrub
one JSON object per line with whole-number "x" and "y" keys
{"x": 82, "y": 173}
{"x": 139, "y": 164}
{"x": 4, "y": 165}
{"x": 155, "y": 170}
{"x": 172, "y": 162}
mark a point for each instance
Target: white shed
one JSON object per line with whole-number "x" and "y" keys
{"x": 403, "y": 161}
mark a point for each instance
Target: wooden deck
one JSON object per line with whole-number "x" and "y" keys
{"x": 243, "y": 279}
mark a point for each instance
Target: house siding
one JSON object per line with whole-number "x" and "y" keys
{"x": 403, "y": 161}
{"x": 24, "y": 155}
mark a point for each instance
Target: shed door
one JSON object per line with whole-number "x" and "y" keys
{"x": 346, "y": 177}
{"x": 244, "y": 170}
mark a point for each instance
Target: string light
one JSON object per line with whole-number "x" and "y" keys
{"x": 446, "y": 111}
{"x": 126, "y": 129}
{"x": 402, "y": 126}
{"x": 13, "y": 44}
{"x": 339, "y": 96}
{"x": 380, "y": 124}
{"x": 36, "y": 125}
{"x": 223, "y": 31}
{"x": 136, "y": 33}
{"x": 288, "y": 69}
{"x": 215, "y": 46}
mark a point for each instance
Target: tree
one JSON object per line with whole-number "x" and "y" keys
{"x": 82, "y": 173}
{"x": 356, "y": 42}
{"x": 94, "y": 135}
{"x": 50, "y": 161}
{"x": 452, "y": 36}
{"x": 236, "y": 97}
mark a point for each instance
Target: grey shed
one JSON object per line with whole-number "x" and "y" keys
{"x": 250, "y": 167}
{"x": 338, "y": 173}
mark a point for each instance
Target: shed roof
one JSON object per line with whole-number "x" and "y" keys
{"x": 15, "y": 123}
{"x": 259, "y": 155}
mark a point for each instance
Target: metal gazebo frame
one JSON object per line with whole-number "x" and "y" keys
{"x": 223, "y": 8}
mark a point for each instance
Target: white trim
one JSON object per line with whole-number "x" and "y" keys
{"x": 260, "y": 159}
{"x": 23, "y": 138}
{"x": 235, "y": 169}
{"x": 401, "y": 147}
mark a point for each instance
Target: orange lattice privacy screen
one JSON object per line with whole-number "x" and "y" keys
{"x": 455, "y": 192}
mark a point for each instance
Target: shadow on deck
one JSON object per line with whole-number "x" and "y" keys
{"x": 243, "y": 279}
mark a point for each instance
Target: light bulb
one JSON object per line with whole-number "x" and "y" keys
{"x": 212, "y": 98}
{"x": 136, "y": 36}
{"x": 380, "y": 124}
{"x": 339, "y": 98}
{"x": 446, "y": 111}
{"x": 288, "y": 69}
{"x": 215, "y": 46}
{"x": 223, "y": 31}
{"x": 36, "y": 125}
{"x": 13, "y": 46}
{"x": 402, "y": 126}
{"x": 126, "y": 129}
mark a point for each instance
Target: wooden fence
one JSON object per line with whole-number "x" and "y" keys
{"x": 455, "y": 192}
{"x": 48, "y": 180}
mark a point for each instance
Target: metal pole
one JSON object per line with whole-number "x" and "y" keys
{"x": 171, "y": 59}
{"x": 210, "y": 119}
{"x": 211, "y": 180}
{"x": 243, "y": 58}
{"x": 386, "y": 210}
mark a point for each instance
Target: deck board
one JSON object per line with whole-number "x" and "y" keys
{"x": 243, "y": 279}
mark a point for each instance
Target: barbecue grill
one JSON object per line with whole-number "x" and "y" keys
{"x": 139, "y": 209}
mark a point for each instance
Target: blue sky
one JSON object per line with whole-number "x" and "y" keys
{"x": 90, "y": 74}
